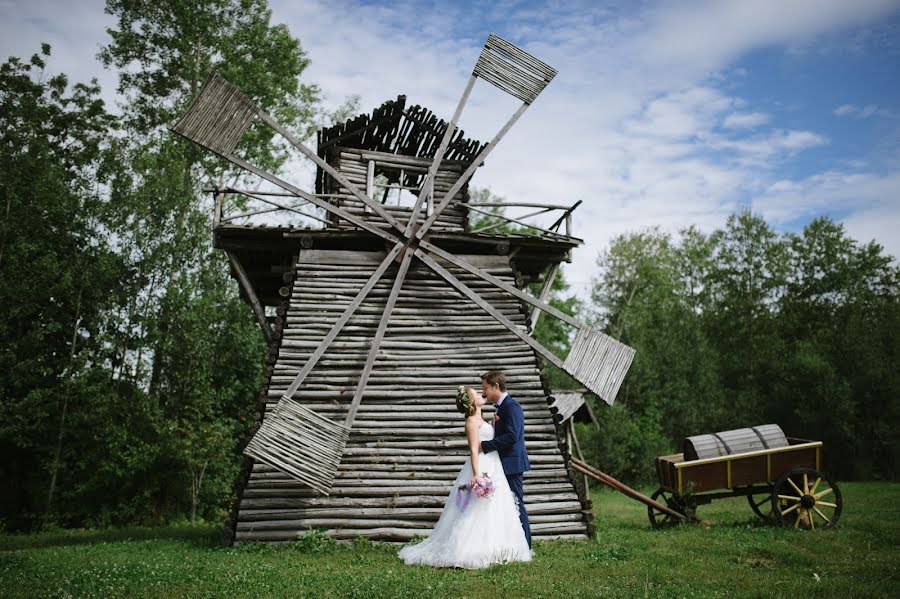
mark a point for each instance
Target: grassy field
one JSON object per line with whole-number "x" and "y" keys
{"x": 730, "y": 555}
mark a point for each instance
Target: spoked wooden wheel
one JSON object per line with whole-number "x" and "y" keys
{"x": 761, "y": 504}
{"x": 660, "y": 519}
{"x": 806, "y": 498}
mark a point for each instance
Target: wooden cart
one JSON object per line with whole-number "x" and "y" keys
{"x": 784, "y": 485}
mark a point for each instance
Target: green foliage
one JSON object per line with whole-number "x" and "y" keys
{"x": 729, "y": 556}
{"x": 132, "y": 361}
{"x": 59, "y": 273}
{"x": 743, "y": 327}
{"x": 316, "y": 541}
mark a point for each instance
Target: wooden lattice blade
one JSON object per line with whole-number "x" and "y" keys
{"x": 221, "y": 113}
{"x": 300, "y": 443}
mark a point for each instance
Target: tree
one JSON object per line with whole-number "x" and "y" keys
{"x": 58, "y": 270}
{"x": 186, "y": 305}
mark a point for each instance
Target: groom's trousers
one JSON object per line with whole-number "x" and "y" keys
{"x": 515, "y": 485}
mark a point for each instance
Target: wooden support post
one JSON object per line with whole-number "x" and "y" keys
{"x": 545, "y": 292}
{"x": 244, "y": 282}
{"x": 577, "y": 448}
{"x": 379, "y": 336}
{"x": 345, "y": 316}
{"x": 370, "y": 183}
{"x": 217, "y": 211}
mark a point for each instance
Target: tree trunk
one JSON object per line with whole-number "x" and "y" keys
{"x": 54, "y": 467}
{"x": 196, "y": 484}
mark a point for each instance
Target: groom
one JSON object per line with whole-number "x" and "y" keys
{"x": 509, "y": 438}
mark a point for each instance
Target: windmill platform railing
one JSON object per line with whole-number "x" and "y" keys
{"x": 254, "y": 204}
{"x": 551, "y": 232}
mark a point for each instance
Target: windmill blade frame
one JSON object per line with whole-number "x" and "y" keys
{"x": 221, "y": 113}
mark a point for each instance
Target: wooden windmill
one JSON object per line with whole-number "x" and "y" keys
{"x": 404, "y": 279}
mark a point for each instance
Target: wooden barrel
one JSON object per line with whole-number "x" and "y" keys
{"x": 740, "y": 440}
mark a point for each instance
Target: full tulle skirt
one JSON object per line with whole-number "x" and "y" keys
{"x": 486, "y": 531}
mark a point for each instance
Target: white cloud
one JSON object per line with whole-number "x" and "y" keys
{"x": 745, "y": 120}
{"x": 865, "y": 201}
{"x": 845, "y": 109}
{"x": 639, "y": 124}
{"x": 864, "y": 112}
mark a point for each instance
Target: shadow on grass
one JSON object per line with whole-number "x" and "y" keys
{"x": 198, "y": 536}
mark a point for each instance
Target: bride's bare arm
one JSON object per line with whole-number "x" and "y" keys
{"x": 474, "y": 442}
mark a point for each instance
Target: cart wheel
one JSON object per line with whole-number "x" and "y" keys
{"x": 761, "y": 504}
{"x": 806, "y": 498}
{"x": 660, "y": 519}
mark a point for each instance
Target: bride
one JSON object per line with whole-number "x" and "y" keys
{"x": 474, "y": 532}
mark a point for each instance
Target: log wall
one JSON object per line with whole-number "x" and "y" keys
{"x": 408, "y": 441}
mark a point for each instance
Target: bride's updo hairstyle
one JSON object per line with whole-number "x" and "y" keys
{"x": 464, "y": 403}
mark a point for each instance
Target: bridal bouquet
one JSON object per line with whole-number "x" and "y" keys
{"x": 482, "y": 487}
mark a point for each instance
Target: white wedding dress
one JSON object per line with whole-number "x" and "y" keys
{"x": 487, "y": 531}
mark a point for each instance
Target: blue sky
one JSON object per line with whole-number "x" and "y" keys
{"x": 663, "y": 113}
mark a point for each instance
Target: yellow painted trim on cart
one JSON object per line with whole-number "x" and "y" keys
{"x": 818, "y": 458}
{"x": 680, "y": 490}
{"x": 728, "y": 474}
{"x": 748, "y": 454}
{"x": 769, "y": 468}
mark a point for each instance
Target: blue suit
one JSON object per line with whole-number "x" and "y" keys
{"x": 509, "y": 442}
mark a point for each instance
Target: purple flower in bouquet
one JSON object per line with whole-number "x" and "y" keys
{"x": 483, "y": 487}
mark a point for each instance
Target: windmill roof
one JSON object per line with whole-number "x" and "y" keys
{"x": 396, "y": 128}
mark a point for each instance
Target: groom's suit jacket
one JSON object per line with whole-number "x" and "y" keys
{"x": 509, "y": 437}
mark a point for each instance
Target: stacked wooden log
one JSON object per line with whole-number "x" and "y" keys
{"x": 408, "y": 441}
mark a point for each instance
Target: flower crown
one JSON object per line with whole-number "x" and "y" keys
{"x": 462, "y": 400}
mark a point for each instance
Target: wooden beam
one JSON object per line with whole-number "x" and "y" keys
{"x": 518, "y": 222}
{"x": 379, "y": 336}
{"x": 484, "y": 305}
{"x": 375, "y": 206}
{"x": 566, "y": 214}
{"x": 527, "y": 297}
{"x": 545, "y": 291}
{"x": 428, "y": 183}
{"x": 498, "y": 225}
{"x": 244, "y": 282}
{"x": 336, "y": 328}
{"x": 464, "y": 178}
{"x": 280, "y": 206}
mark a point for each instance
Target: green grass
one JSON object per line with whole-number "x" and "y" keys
{"x": 729, "y": 556}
